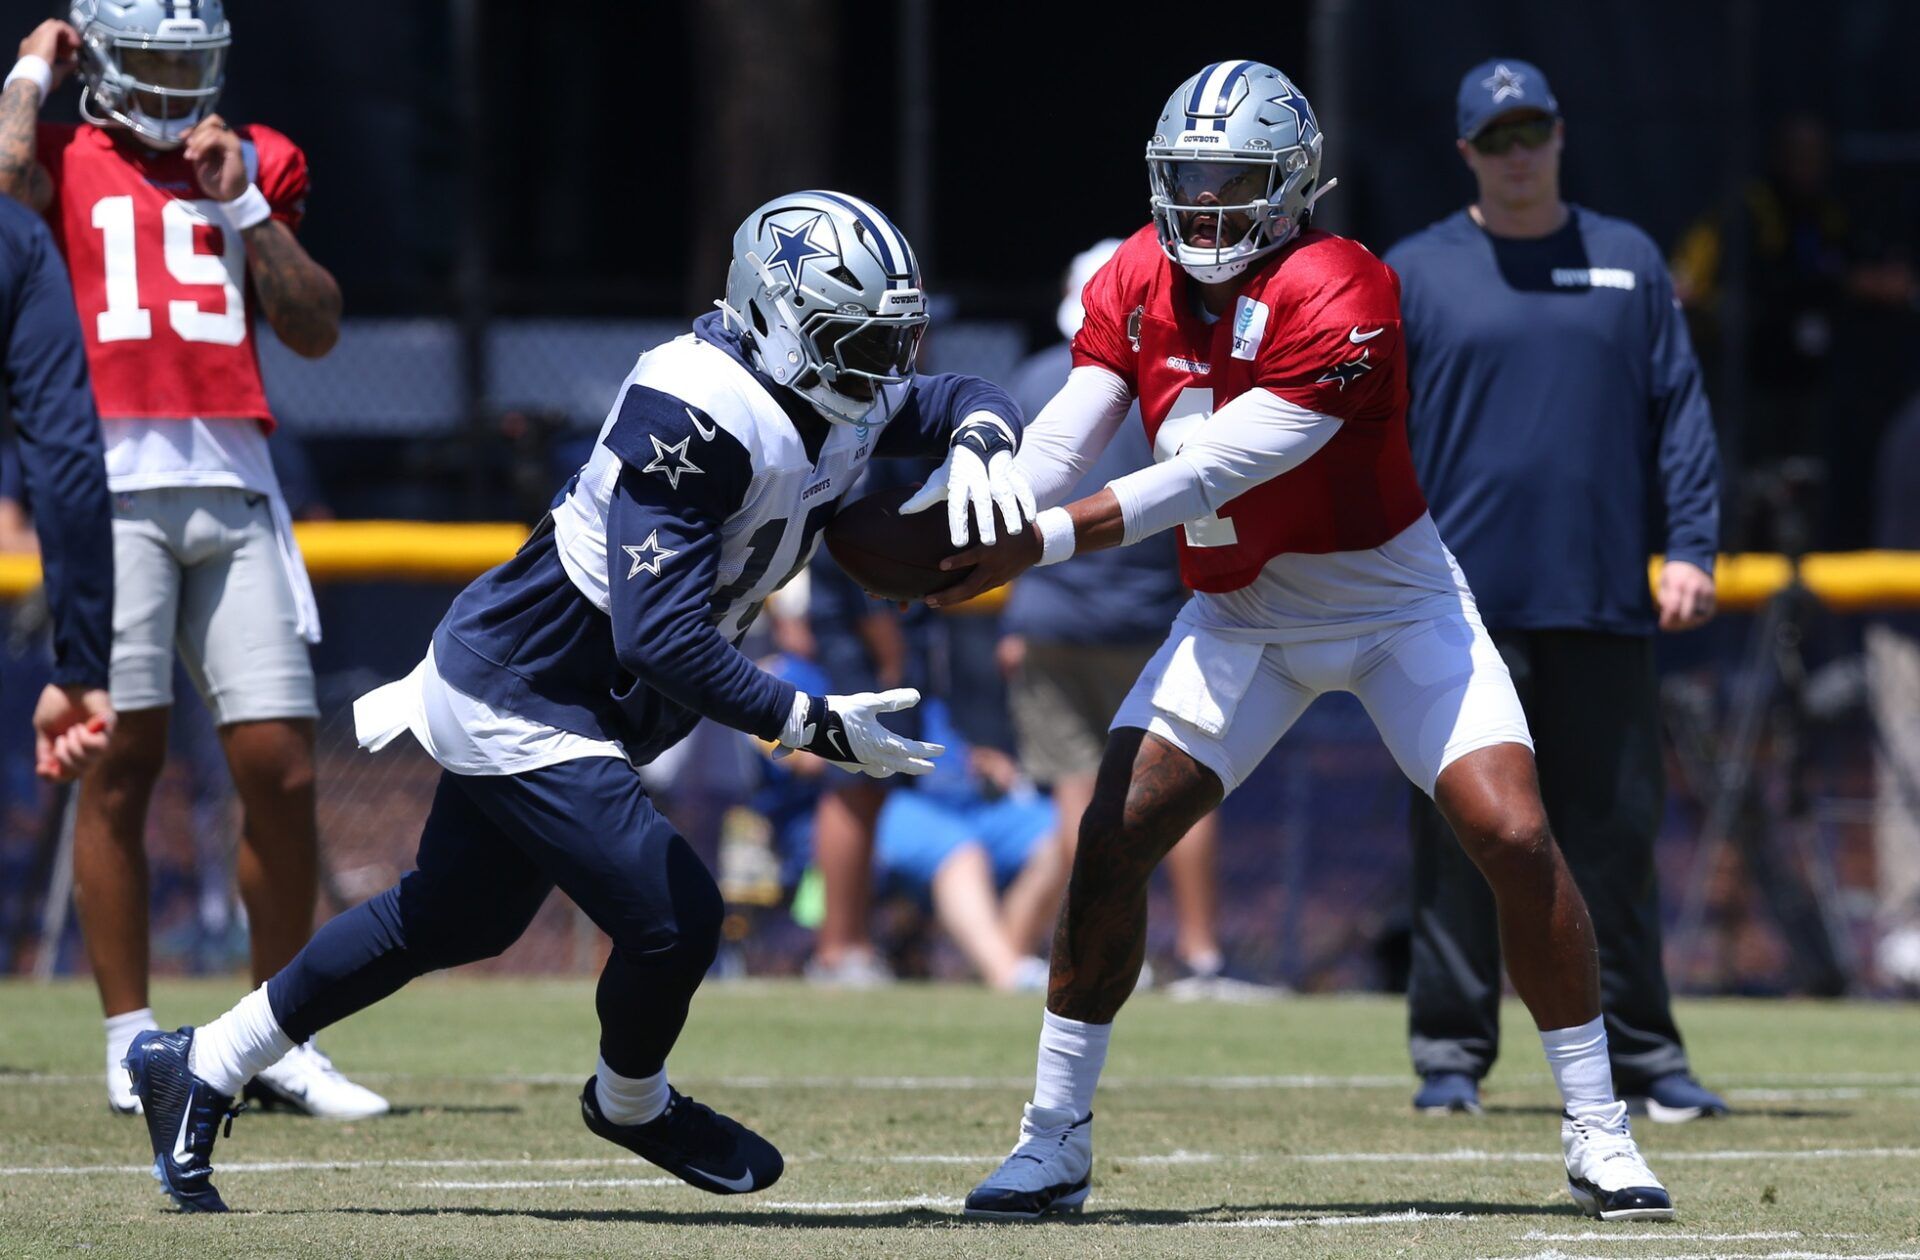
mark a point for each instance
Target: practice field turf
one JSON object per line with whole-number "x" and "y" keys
{"x": 1277, "y": 1129}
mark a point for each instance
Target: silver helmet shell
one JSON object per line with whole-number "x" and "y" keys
{"x": 825, "y": 293}
{"x": 155, "y": 67}
{"x": 1248, "y": 114}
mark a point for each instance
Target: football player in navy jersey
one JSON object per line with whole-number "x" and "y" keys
{"x": 600, "y": 644}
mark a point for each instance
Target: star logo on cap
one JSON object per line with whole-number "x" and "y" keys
{"x": 792, "y": 249}
{"x": 1504, "y": 83}
{"x": 647, "y": 555}
{"x": 670, "y": 460}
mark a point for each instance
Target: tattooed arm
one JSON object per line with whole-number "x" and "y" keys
{"x": 22, "y": 177}
{"x": 299, "y": 297}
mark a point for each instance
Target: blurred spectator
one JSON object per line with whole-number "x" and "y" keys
{"x": 1561, "y": 435}
{"x": 1893, "y": 672}
{"x": 1078, "y": 635}
{"x": 1804, "y": 268}
{"x": 862, "y": 645}
{"x": 972, "y": 831}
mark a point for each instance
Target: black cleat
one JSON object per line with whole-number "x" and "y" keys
{"x": 695, "y": 1143}
{"x": 183, "y": 1116}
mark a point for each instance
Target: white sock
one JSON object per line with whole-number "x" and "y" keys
{"x": 1578, "y": 1059}
{"x": 233, "y": 1049}
{"x": 1071, "y": 1056}
{"x": 629, "y": 1099}
{"x": 120, "y": 1032}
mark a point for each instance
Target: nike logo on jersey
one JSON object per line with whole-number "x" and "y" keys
{"x": 706, "y": 432}
{"x": 1356, "y": 336}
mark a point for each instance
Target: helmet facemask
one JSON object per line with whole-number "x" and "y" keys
{"x": 1238, "y": 194}
{"x": 158, "y": 86}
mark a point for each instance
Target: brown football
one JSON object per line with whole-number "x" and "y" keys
{"x": 892, "y": 556}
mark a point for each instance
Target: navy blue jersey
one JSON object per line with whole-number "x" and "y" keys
{"x": 61, "y": 455}
{"x": 1558, "y": 422}
{"x": 707, "y": 490}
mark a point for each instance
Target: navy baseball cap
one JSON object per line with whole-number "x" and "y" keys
{"x": 1500, "y": 86}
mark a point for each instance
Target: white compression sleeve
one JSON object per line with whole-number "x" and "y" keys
{"x": 1252, "y": 439}
{"x": 1071, "y": 431}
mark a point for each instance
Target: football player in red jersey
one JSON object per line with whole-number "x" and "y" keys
{"x": 177, "y": 229}
{"x": 1268, "y": 361}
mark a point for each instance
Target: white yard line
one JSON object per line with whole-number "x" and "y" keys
{"x": 1320, "y": 1222}
{"x": 854, "y": 1205}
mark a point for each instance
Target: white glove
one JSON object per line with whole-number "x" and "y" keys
{"x": 846, "y": 730}
{"x": 979, "y": 473}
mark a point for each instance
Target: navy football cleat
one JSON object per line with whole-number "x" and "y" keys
{"x": 183, "y": 1115}
{"x": 1447, "y": 1093}
{"x": 1674, "y": 1099}
{"x": 1049, "y": 1173}
{"x": 695, "y": 1143}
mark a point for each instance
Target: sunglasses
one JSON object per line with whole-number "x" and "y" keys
{"x": 1528, "y": 133}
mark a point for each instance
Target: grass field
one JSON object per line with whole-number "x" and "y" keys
{"x": 1280, "y": 1129}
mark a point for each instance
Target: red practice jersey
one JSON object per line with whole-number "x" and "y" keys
{"x": 1318, "y": 323}
{"x": 159, "y": 279}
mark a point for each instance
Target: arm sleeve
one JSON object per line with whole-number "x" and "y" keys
{"x": 63, "y": 461}
{"x": 663, "y": 562}
{"x": 1689, "y": 455}
{"x": 1252, "y": 439}
{"x": 934, "y": 408}
{"x": 1071, "y": 431}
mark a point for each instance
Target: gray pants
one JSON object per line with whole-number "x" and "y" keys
{"x": 1592, "y": 704}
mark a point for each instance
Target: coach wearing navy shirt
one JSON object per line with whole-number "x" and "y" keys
{"x": 1562, "y": 437}
{"x": 51, "y": 398}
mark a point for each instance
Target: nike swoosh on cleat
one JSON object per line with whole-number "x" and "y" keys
{"x": 706, "y": 433}
{"x": 180, "y": 1152}
{"x": 1356, "y": 336}
{"x": 739, "y": 1185}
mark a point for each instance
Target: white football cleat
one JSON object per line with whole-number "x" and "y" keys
{"x": 1049, "y": 1171}
{"x": 1606, "y": 1174}
{"x": 306, "y": 1081}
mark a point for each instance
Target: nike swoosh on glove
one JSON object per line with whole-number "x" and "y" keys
{"x": 978, "y": 474}
{"x": 847, "y": 731}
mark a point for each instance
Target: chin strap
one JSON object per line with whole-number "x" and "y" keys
{"x": 1322, "y": 191}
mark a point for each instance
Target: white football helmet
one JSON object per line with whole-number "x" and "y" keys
{"x": 1236, "y": 154}
{"x": 825, "y": 293}
{"x": 155, "y": 67}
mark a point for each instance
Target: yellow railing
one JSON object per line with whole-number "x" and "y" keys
{"x": 374, "y": 551}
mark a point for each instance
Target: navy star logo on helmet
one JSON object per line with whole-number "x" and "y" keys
{"x": 792, "y": 248}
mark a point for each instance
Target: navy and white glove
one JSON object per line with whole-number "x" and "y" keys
{"x": 846, "y": 730}
{"x": 978, "y": 474}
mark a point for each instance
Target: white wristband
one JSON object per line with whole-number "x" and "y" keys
{"x": 34, "y": 70}
{"x": 249, "y": 209}
{"x": 1056, "y": 535}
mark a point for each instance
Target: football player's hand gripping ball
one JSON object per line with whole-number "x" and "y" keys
{"x": 978, "y": 475}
